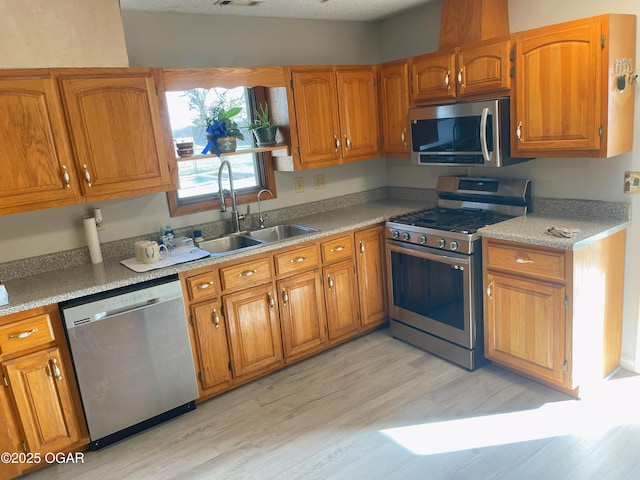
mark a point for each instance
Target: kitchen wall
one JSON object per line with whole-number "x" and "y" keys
{"x": 580, "y": 178}
{"x": 36, "y": 33}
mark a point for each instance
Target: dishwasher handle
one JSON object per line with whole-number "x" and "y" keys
{"x": 128, "y": 309}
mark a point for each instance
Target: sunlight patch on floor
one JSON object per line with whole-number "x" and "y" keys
{"x": 590, "y": 418}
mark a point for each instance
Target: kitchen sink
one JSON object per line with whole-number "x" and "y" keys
{"x": 280, "y": 232}
{"x": 229, "y": 243}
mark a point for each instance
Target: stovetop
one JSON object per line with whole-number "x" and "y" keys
{"x": 450, "y": 220}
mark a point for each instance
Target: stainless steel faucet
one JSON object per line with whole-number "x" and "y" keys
{"x": 235, "y": 215}
{"x": 262, "y": 217}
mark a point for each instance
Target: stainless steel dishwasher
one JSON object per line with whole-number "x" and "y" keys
{"x": 132, "y": 358}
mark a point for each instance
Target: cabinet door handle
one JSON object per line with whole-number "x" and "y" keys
{"x": 298, "y": 260}
{"x": 489, "y": 290}
{"x": 271, "y": 302}
{"x": 460, "y": 73}
{"x": 361, "y": 247}
{"x": 347, "y": 142}
{"x": 337, "y": 142}
{"x": 446, "y": 80}
{"x": 55, "y": 370}
{"x": 522, "y": 260}
{"x": 20, "y": 335}
{"x": 339, "y": 248}
{"x": 87, "y": 175}
{"x": 285, "y": 297}
{"x": 203, "y": 286}
{"x": 330, "y": 281}
{"x": 403, "y": 136}
{"x": 216, "y": 318}
{"x": 247, "y": 273}
{"x": 519, "y": 132}
{"x": 65, "y": 176}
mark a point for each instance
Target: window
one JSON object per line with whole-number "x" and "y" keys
{"x": 198, "y": 172}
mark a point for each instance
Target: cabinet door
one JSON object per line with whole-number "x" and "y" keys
{"x": 116, "y": 131}
{"x": 525, "y": 327}
{"x": 370, "y": 263}
{"x": 484, "y": 69}
{"x": 254, "y": 331}
{"x": 214, "y": 362}
{"x": 433, "y": 78}
{"x": 394, "y": 103}
{"x": 9, "y": 440}
{"x": 341, "y": 296}
{"x": 43, "y": 401}
{"x": 302, "y": 314}
{"x": 315, "y": 97}
{"x": 557, "y": 91}
{"x": 358, "y": 108}
{"x": 37, "y": 167}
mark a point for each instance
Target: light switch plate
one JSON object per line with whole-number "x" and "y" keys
{"x": 299, "y": 184}
{"x": 319, "y": 182}
{"x": 631, "y": 182}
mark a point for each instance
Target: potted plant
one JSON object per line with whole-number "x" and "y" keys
{"x": 217, "y": 121}
{"x": 261, "y": 126}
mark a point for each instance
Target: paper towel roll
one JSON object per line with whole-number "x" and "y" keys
{"x": 91, "y": 232}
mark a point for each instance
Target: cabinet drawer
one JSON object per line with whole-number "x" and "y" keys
{"x": 202, "y": 286}
{"x": 246, "y": 274}
{"x": 526, "y": 260}
{"x": 337, "y": 249}
{"x": 25, "y": 334}
{"x": 297, "y": 260}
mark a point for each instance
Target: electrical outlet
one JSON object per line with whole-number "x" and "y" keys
{"x": 631, "y": 182}
{"x": 299, "y": 184}
{"x": 319, "y": 182}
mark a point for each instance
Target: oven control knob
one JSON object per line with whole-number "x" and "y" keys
{"x": 453, "y": 245}
{"x": 405, "y": 236}
{"x": 395, "y": 234}
{"x": 423, "y": 239}
{"x": 442, "y": 242}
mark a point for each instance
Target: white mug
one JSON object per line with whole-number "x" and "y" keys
{"x": 150, "y": 252}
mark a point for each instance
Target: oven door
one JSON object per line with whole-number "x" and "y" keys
{"x": 433, "y": 291}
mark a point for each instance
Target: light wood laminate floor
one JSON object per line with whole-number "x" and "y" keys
{"x": 339, "y": 415}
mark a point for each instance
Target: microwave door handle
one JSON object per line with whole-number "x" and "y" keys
{"x": 483, "y": 134}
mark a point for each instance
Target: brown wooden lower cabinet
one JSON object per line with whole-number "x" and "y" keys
{"x": 251, "y": 317}
{"x": 555, "y": 315}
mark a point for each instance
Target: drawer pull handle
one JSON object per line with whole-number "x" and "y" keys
{"x": 522, "y": 260}
{"x": 489, "y": 290}
{"x": 271, "y": 302}
{"x": 216, "y": 318}
{"x": 23, "y": 334}
{"x": 55, "y": 370}
{"x": 203, "y": 286}
{"x": 339, "y": 248}
{"x": 247, "y": 273}
{"x": 298, "y": 260}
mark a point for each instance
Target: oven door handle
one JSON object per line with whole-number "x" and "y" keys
{"x": 421, "y": 253}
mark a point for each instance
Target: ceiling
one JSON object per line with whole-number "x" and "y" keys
{"x": 349, "y": 10}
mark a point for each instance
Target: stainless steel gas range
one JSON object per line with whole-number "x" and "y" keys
{"x": 434, "y": 265}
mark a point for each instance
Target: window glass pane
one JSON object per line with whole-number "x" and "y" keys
{"x": 199, "y": 173}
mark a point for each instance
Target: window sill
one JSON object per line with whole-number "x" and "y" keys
{"x": 279, "y": 150}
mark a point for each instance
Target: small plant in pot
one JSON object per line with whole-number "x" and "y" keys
{"x": 262, "y": 128}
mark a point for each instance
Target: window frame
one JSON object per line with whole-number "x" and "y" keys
{"x": 259, "y": 79}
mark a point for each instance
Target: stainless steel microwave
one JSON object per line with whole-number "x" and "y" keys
{"x": 470, "y": 134}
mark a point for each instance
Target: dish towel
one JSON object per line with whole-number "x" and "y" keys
{"x": 562, "y": 232}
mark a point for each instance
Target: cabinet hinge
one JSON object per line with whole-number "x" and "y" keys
{"x": 298, "y": 151}
{"x": 200, "y": 377}
{"x": 24, "y": 446}
{"x": 565, "y": 366}
{"x": 512, "y": 72}
{"x": 321, "y": 280}
{"x": 156, "y": 87}
{"x": 602, "y": 40}
{"x": 291, "y": 83}
{"x": 512, "y": 55}
{"x": 601, "y": 131}
{"x": 169, "y": 167}
{"x": 229, "y": 365}
{"x": 566, "y": 301}
{"x": 222, "y": 310}
{"x": 5, "y": 381}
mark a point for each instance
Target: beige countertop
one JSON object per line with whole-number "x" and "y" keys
{"x": 69, "y": 283}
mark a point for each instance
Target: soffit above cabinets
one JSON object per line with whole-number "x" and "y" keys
{"x": 348, "y": 10}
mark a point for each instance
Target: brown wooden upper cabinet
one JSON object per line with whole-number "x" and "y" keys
{"x": 394, "y": 104}
{"x": 572, "y": 94}
{"x": 38, "y": 167}
{"x": 115, "y": 126}
{"x": 336, "y": 115}
{"x": 468, "y": 72}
